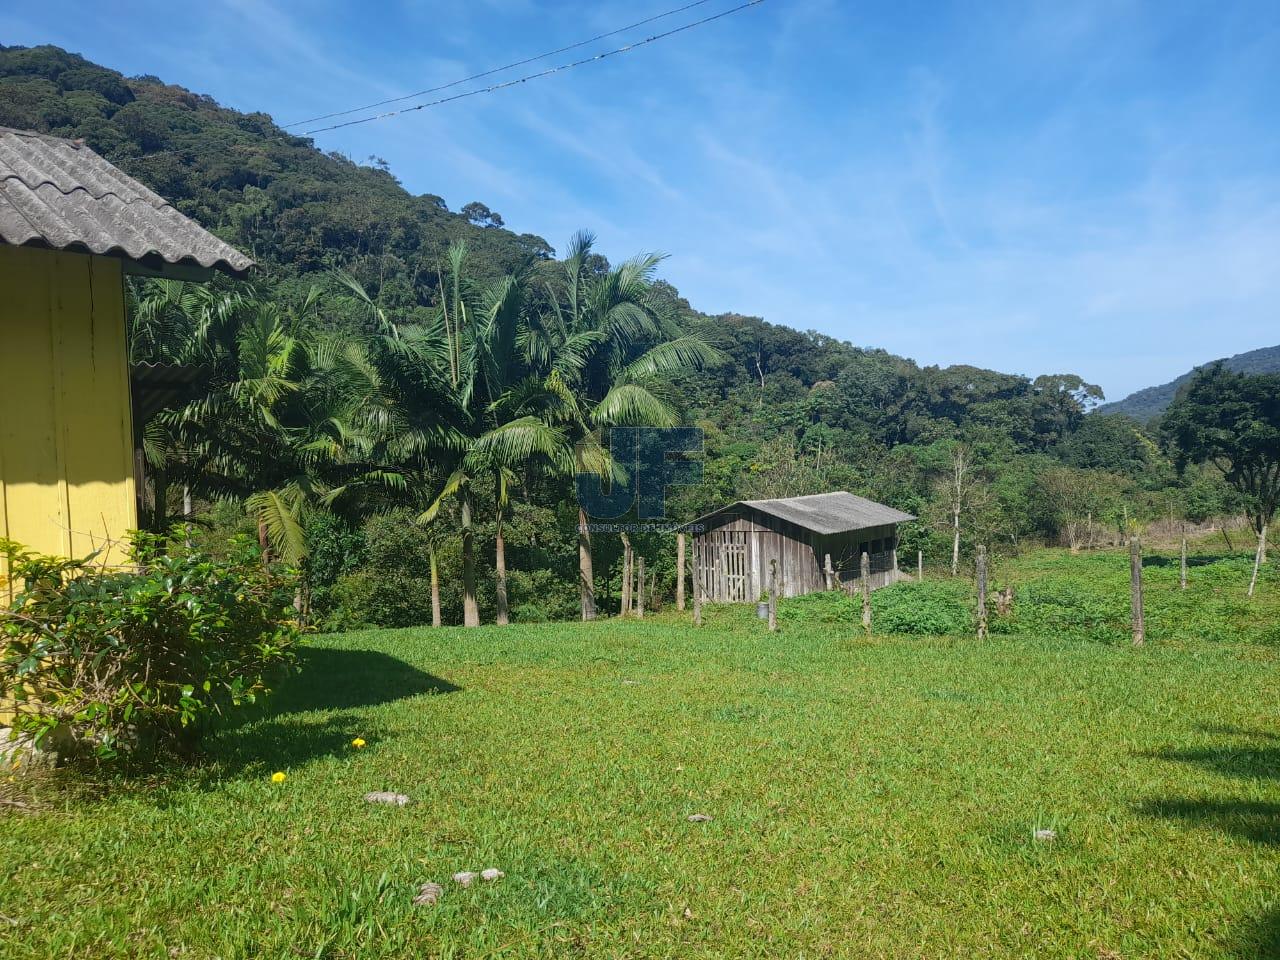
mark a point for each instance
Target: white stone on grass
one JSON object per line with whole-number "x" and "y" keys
{"x": 1046, "y": 835}
{"x": 388, "y": 797}
{"x": 428, "y": 895}
{"x": 699, "y": 818}
{"x": 465, "y": 877}
{"x": 492, "y": 873}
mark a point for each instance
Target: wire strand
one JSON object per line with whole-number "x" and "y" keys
{"x": 540, "y": 74}
{"x": 283, "y": 138}
{"x": 491, "y": 72}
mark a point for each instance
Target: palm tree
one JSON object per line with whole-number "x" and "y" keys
{"x": 286, "y": 418}
{"x": 480, "y": 331}
{"x": 608, "y": 348}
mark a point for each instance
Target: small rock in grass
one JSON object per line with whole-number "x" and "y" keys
{"x": 699, "y": 818}
{"x": 387, "y": 797}
{"x": 465, "y": 877}
{"x": 493, "y": 873}
{"x": 428, "y": 895}
{"x": 1046, "y": 835}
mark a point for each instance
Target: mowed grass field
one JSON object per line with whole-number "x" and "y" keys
{"x": 870, "y": 798}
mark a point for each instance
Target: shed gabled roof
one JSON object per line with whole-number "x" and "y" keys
{"x": 824, "y": 513}
{"x": 59, "y": 194}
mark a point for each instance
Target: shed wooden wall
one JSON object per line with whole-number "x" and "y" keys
{"x": 66, "y": 436}
{"x": 758, "y": 538}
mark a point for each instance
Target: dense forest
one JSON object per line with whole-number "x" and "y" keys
{"x": 400, "y": 399}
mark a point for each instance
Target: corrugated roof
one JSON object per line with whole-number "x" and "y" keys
{"x": 60, "y": 194}
{"x": 825, "y": 513}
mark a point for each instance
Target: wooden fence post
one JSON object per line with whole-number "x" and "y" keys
{"x": 627, "y": 558}
{"x": 773, "y": 595}
{"x": 920, "y": 565}
{"x": 866, "y": 592}
{"x": 982, "y": 592}
{"x": 1135, "y": 588}
{"x": 1182, "y": 574}
{"x": 831, "y": 578}
{"x": 679, "y": 571}
{"x": 640, "y": 589}
{"x": 697, "y": 588}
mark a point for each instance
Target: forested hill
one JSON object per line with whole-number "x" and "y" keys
{"x": 300, "y": 212}
{"x": 295, "y": 209}
{"x": 1150, "y": 402}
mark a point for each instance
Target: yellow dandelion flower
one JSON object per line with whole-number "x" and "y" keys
{"x": 277, "y": 777}
{"x": 358, "y": 742}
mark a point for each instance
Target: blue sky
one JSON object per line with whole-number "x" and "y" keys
{"x": 1090, "y": 187}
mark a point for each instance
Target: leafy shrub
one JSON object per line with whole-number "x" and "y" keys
{"x": 540, "y": 596}
{"x": 392, "y": 585}
{"x": 931, "y": 608}
{"x": 113, "y": 660}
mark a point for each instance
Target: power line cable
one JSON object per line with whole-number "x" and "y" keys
{"x": 490, "y": 89}
{"x": 489, "y": 73}
{"x": 540, "y": 74}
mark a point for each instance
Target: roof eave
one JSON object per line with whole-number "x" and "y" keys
{"x": 755, "y": 505}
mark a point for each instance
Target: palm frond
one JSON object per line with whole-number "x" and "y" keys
{"x": 630, "y": 404}
{"x": 683, "y": 355}
{"x": 280, "y": 513}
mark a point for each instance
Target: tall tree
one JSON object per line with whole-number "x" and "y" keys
{"x": 609, "y": 350}
{"x": 1232, "y": 420}
{"x": 473, "y": 346}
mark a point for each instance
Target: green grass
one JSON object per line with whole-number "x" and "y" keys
{"x": 870, "y": 798}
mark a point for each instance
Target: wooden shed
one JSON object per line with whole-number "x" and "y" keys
{"x": 71, "y": 227}
{"x": 733, "y": 547}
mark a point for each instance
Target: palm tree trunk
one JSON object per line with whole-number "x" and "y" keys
{"x": 264, "y": 542}
{"x": 586, "y": 575}
{"x": 500, "y": 565}
{"x": 470, "y": 609}
{"x": 435, "y": 587}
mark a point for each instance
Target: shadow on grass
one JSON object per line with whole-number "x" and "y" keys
{"x": 1193, "y": 559}
{"x": 313, "y": 713}
{"x": 346, "y": 679}
{"x": 1254, "y": 762}
{"x": 1252, "y": 820}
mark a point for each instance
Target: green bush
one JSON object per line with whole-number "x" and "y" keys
{"x": 932, "y": 608}
{"x": 392, "y": 585}
{"x": 113, "y": 660}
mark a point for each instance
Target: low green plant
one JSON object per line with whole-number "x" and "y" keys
{"x": 105, "y": 661}
{"x": 932, "y": 608}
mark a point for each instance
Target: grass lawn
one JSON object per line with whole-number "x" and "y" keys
{"x": 870, "y": 799}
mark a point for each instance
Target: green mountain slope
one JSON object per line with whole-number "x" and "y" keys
{"x": 1151, "y": 402}
{"x": 301, "y": 212}
{"x": 295, "y": 209}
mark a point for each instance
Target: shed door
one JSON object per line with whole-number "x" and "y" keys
{"x": 734, "y": 553}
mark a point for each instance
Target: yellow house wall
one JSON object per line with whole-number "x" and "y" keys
{"x": 66, "y": 435}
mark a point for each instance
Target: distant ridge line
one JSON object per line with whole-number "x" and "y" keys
{"x": 1151, "y": 402}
